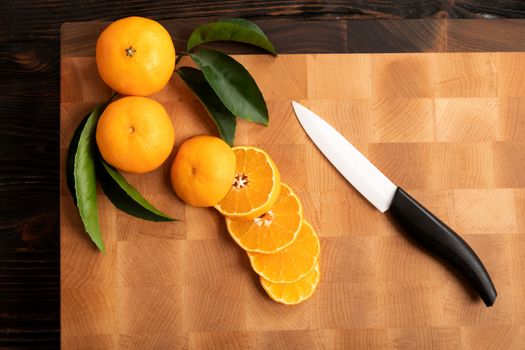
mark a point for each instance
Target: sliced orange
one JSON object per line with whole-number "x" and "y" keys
{"x": 296, "y": 292}
{"x": 293, "y": 262}
{"x": 272, "y": 231}
{"x": 256, "y": 186}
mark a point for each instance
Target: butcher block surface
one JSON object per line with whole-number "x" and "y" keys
{"x": 447, "y": 127}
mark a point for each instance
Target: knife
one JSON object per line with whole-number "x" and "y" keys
{"x": 423, "y": 226}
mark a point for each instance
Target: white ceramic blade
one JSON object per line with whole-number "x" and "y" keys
{"x": 353, "y": 165}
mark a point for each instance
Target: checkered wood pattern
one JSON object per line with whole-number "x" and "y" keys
{"x": 449, "y": 128}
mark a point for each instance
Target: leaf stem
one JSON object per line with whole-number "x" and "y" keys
{"x": 179, "y": 57}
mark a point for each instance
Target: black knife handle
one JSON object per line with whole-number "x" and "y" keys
{"x": 441, "y": 240}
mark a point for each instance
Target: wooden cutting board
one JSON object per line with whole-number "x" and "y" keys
{"x": 449, "y": 128}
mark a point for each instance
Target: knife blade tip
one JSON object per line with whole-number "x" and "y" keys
{"x": 298, "y": 109}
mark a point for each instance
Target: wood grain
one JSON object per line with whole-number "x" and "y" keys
{"x": 441, "y": 132}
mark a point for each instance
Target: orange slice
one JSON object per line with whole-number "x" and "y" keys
{"x": 293, "y": 262}
{"x": 256, "y": 186}
{"x": 272, "y": 231}
{"x": 296, "y": 292}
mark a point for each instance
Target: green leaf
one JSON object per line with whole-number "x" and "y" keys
{"x": 70, "y": 158}
{"x": 233, "y": 85}
{"x": 124, "y": 196}
{"x": 85, "y": 179}
{"x": 72, "y": 150}
{"x": 222, "y": 117}
{"x": 235, "y": 29}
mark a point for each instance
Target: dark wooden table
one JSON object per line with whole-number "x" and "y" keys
{"x": 29, "y": 105}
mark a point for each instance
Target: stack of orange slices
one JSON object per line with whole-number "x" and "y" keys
{"x": 265, "y": 218}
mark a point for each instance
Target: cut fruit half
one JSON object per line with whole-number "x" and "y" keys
{"x": 296, "y": 292}
{"x": 256, "y": 186}
{"x": 272, "y": 231}
{"x": 293, "y": 262}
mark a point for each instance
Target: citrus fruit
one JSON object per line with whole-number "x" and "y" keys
{"x": 135, "y": 56}
{"x": 296, "y": 292}
{"x": 273, "y": 230}
{"x": 256, "y": 185}
{"x": 203, "y": 171}
{"x": 135, "y": 134}
{"x": 293, "y": 262}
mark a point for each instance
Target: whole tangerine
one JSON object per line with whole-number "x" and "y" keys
{"x": 135, "y": 134}
{"x": 203, "y": 171}
{"x": 135, "y": 56}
